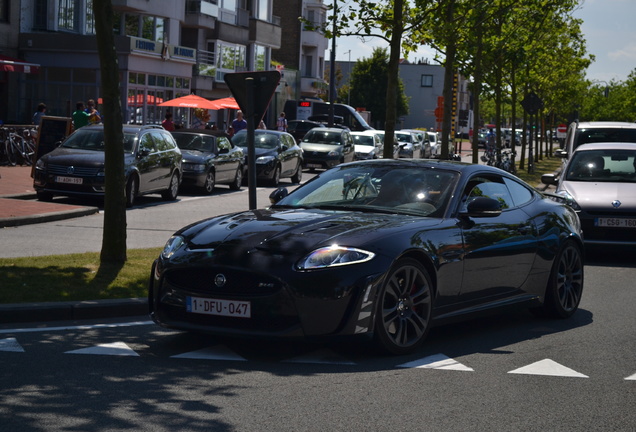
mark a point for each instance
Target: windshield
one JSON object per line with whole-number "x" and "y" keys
{"x": 603, "y": 166}
{"x": 190, "y": 141}
{"x": 384, "y": 188}
{"x": 597, "y": 135}
{"x": 93, "y": 139}
{"x": 262, "y": 140}
{"x": 322, "y": 137}
{"x": 366, "y": 140}
{"x": 404, "y": 137}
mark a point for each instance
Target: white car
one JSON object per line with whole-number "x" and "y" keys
{"x": 433, "y": 138}
{"x": 368, "y": 144}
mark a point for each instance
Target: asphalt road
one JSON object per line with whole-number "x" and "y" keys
{"x": 509, "y": 371}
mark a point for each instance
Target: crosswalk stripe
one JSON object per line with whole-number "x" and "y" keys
{"x": 323, "y": 356}
{"x": 219, "y": 352}
{"x": 437, "y": 361}
{"x": 548, "y": 367}
{"x": 115, "y": 349}
{"x": 10, "y": 344}
{"x": 631, "y": 377}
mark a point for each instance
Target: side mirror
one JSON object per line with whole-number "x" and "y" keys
{"x": 143, "y": 152}
{"x": 224, "y": 150}
{"x": 549, "y": 179}
{"x": 278, "y": 195}
{"x": 561, "y": 153}
{"x": 483, "y": 207}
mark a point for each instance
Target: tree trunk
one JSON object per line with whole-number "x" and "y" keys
{"x": 114, "y": 233}
{"x": 392, "y": 78}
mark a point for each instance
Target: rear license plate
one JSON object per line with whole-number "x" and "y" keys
{"x": 230, "y": 308}
{"x": 310, "y": 165}
{"x": 71, "y": 180}
{"x": 615, "y": 223}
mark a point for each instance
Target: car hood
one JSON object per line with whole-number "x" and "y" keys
{"x": 602, "y": 194}
{"x": 195, "y": 155}
{"x": 68, "y": 156}
{"x": 308, "y": 147}
{"x": 290, "y": 234}
{"x": 258, "y": 152}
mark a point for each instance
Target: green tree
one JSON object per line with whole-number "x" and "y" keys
{"x": 114, "y": 233}
{"x": 368, "y": 80}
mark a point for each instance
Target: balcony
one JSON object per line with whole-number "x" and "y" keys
{"x": 314, "y": 39}
{"x": 201, "y": 14}
{"x": 311, "y": 86}
{"x": 265, "y": 33}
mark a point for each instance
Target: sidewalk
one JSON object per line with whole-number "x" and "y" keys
{"x": 19, "y": 206}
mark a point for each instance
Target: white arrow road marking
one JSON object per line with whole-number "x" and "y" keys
{"x": 631, "y": 377}
{"x": 323, "y": 356}
{"x": 437, "y": 361}
{"x": 10, "y": 344}
{"x": 115, "y": 349}
{"x": 548, "y": 367}
{"x": 219, "y": 352}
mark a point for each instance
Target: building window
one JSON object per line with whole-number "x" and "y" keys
{"x": 90, "y": 18}
{"x": 231, "y": 58}
{"x": 260, "y": 53}
{"x": 4, "y": 10}
{"x": 427, "y": 81}
{"x": 40, "y": 15}
{"x": 68, "y": 15}
{"x": 309, "y": 66}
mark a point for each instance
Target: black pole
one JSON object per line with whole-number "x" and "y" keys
{"x": 332, "y": 70}
{"x": 251, "y": 157}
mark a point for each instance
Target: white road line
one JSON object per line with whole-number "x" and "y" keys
{"x": 78, "y": 327}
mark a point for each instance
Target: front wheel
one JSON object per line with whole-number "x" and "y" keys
{"x": 172, "y": 192}
{"x": 208, "y": 185}
{"x": 238, "y": 179}
{"x": 276, "y": 176}
{"x": 298, "y": 175}
{"x": 565, "y": 286}
{"x": 132, "y": 190}
{"x": 403, "y": 308}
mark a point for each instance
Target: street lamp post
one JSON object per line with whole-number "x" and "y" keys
{"x": 349, "y": 80}
{"x": 332, "y": 71}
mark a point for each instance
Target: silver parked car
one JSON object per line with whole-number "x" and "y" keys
{"x": 599, "y": 182}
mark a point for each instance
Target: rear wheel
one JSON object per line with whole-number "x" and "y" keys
{"x": 298, "y": 175}
{"x": 208, "y": 185}
{"x": 565, "y": 287}
{"x": 172, "y": 192}
{"x": 10, "y": 154}
{"x": 403, "y": 308}
{"x": 238, "y": 180}
{"x": 132, "y": 190}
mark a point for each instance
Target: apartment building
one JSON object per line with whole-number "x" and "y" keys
{"x": 166, "y": 49}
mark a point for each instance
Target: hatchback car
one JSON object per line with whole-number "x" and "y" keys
{"x": 209, "y": 158}
{"x": 599, "y": 182}
{"x": 410, "y": 146}
{"x": 368, "y": 145}
{"x": 277, "y": 155}
{"x": 152, "y": 164}
{"x": 327, "y": 147}
{"x": 594, "y": 132}
{"x": 386, "y": 248}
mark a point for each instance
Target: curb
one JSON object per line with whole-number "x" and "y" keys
{"x": 69, "y": 311}
{"x": 47, "y": 217}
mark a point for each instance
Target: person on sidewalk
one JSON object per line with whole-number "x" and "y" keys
{"x": 80, "y": 116}
{"x": 239, "y": 122}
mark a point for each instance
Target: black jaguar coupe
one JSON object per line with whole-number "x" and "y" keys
{"x": 386, "y": 248}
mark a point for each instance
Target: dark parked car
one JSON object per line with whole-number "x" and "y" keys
{"x": 298, "y": 128}
{"x": 152, "y": 164}
{"x": 384, "y": 247}
{"x": 209, "y": 158}
{"x": 277, "y": 155}
{"x": 599, "y": 182}
{"x": 327, "y": 147}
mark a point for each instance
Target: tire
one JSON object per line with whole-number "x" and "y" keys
{"x": 298, "y": 175}
{"x": 172, "y": 192}
{"x": 132, "y": 190}
{"x": 565, "y": 286}
{"x": 208, "y": 185}
{"x": 238, "y": 180}
{"x": 44, "y": 196}
{"x": 275, "y": 177}
{"x": 9, "y": 152}
{"x": 403, "y": 308}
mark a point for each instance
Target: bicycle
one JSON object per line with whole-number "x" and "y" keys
{"x": 506, "y": 163}
{"x": 16, "y": 147}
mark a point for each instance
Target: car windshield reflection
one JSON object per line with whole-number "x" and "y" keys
{"x": 408, "y": 190}
{"x": 94, "y": 140}
{"x": 602, "y": 166}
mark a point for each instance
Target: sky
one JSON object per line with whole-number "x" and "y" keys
{"x": 609, "y": 28}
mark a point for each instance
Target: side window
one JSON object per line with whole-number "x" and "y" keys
{"x": 223, "y": 144}
{"x": 288, "y": 140}
{"x": 160, "y": 141}
{"x": 489, "y": 187}
{"x": 147, "y": 143}
{"x": 208, "y": 143}
{"x": 520, "y": 194}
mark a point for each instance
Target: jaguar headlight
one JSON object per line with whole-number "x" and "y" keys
{"x": 173, "y": 244}
{"x": 334, "y": 256}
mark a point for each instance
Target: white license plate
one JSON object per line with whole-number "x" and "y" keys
{"x": 72, "y": 180}
{"x": 310, "y": 165}
{"x": 615, "y": 223}
{"x": 229, "y": 308}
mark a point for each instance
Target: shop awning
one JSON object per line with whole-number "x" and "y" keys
{"x": 9, "y": 64}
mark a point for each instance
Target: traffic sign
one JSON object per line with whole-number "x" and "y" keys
{"x": 532, "y": 103}
{"x": 561, "y": 131}
{"x": 264, "y": 85}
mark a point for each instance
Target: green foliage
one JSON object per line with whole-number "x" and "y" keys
{"x": 369, "y": 80}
